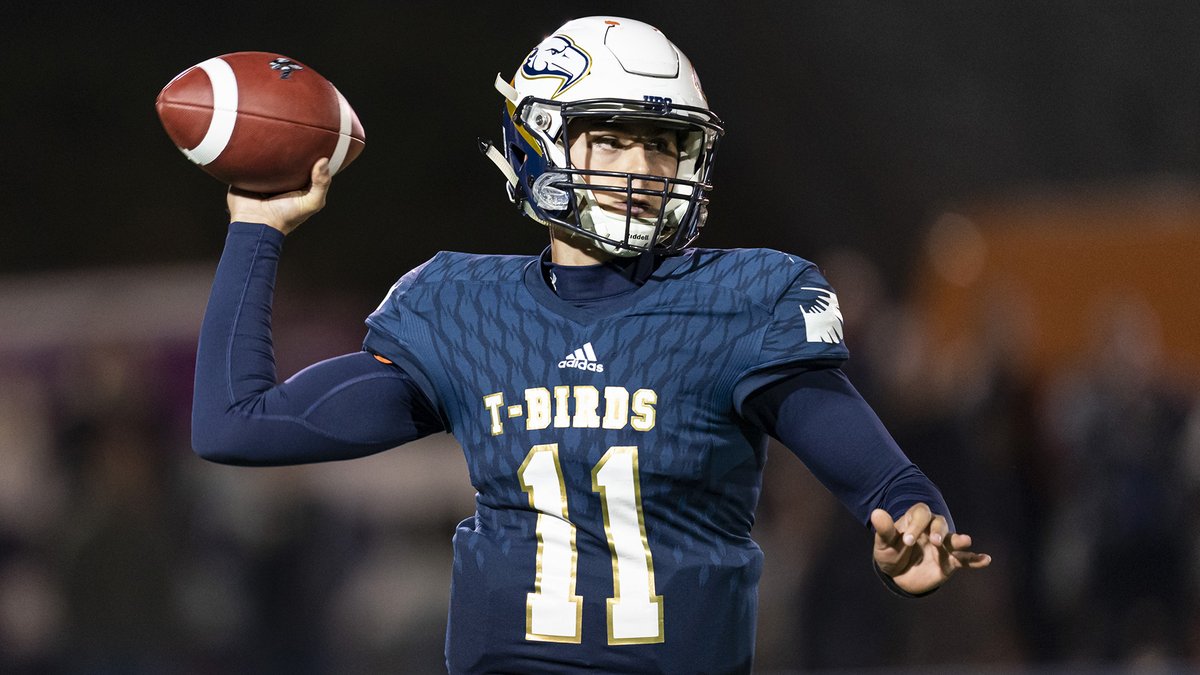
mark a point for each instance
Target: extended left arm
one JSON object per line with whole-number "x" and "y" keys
{"x": 821, "y": 417}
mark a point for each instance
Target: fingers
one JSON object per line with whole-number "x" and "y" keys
{"x": 920, "y": 535}
{"x": 914, "y": 522}
{"x": 972, "y": 560}
{"x": 958, "y": 545}
{"x": 959, "y": 542}
{"x": 939, "y": 530}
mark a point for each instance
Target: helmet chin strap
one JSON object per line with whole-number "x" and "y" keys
{"x": 493, "y": 153}
{"x": 596, "y": 219}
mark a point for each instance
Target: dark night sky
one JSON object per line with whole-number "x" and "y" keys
{"x": 849, "y": 122}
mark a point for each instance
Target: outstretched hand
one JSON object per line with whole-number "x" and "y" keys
{"x": 284, "y": 211}
{"x": 919, "y": 552}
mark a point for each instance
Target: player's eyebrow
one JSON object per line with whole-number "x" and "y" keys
{"x": 656, "y": 135}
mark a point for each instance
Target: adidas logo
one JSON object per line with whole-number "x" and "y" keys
{"x": 583, "y": 358}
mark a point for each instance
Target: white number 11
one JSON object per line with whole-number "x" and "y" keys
{"x": 553, "y": 612}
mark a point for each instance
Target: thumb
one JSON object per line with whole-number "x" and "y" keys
{"x": 885, "y": 527}
{"x": 313, "y": 199}
{"x": 321, "y": 177}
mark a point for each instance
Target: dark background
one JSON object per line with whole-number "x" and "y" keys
{"x": 854, "y": 129}
{"x": 849, "y": 122}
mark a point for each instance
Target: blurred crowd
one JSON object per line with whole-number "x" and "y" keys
{"x": 1082, "y": 480}
{"x": 121, "y": 552}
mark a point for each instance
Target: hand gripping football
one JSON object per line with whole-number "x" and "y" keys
{"x": 259, "y": 121}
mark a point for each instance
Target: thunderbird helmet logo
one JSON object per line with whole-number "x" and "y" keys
{"x": 557, "y": 57}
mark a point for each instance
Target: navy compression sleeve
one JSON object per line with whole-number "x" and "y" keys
{"x": 821, "y": 417}
{"x": 346, "y": 407}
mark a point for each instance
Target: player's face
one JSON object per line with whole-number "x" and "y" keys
{"x": 628, "y": 147}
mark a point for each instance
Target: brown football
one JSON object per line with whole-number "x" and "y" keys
{"x": 259, "y": 121}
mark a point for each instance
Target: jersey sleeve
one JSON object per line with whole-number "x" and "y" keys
{"x": 823, "y": 420}
{"x": 397, "y": 331}
{"x": 340, "y": 408}
{"x": 804, "y": 331}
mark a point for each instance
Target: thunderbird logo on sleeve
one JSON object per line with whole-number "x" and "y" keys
{"x": 558, "y": 57}
{"x": 823, "y": 320}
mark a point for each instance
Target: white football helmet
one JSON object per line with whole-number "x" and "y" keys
{"x": 606, "y": 69}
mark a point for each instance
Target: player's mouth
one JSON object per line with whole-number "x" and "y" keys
{"x": 638, "y": 208}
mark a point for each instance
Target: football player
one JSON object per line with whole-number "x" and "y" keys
{"x": 613, "y": 395}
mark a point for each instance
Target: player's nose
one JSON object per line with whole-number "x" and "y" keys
{"x": 636, "y": 159}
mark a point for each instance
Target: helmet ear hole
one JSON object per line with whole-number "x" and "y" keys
{"x": 517, "y": 155}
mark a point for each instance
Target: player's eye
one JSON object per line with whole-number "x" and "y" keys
{"x": 607, "y": 143}
{"x": 662, "y": 146}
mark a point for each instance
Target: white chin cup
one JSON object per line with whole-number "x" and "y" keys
{"x": 612, "y": 226}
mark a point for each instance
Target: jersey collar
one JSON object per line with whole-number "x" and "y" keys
{"x": 604, "y": 290}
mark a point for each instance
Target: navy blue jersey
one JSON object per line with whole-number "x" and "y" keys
{"x": 616, "y": 480}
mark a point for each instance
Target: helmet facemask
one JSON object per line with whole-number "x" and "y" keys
{"x": 565, "y": 194}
